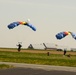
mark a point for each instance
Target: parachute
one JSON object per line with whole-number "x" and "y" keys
{"x": 61, "y": 35}
{"x": 15, "y": 24}
{"x": 73, "y": 35}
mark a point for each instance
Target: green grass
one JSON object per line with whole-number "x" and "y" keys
{"x": 38, "y": 58}
{"x": 4, "y": 66}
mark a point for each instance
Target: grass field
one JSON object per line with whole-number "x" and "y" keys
{"x": 4, "y": 66}
{"x": 38, "y": 57}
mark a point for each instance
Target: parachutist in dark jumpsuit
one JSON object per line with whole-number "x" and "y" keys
{"x": 64, "y": 51}
{"x": 19, "y": 47}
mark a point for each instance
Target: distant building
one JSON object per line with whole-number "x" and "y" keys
{"x": 50, "y": 46}
{"x": 73, "y": 49}
{"x": 30, "y": 46}
{"x": 36, "y": 46}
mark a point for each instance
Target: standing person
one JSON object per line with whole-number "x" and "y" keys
{"x": 64, "y": 51}
{"x": 19, "y": 47}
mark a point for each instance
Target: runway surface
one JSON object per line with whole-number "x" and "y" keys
{"x": 31, "y": 69}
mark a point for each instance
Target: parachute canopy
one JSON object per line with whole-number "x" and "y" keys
{"x": 62, "y": 35}
{"x": 73, "y": 35}
{"x": 15, "y": 24}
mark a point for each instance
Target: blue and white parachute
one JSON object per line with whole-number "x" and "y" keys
{"x": 15, "y": 24}
{"x": 61, "y": 35}
{"x": 73, "y": 35}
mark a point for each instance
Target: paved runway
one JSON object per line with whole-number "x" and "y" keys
{"x": 32, "y": 69}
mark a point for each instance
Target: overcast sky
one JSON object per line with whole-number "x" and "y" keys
{"x": 48, "y": 16}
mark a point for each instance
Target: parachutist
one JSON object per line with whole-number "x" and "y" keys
{"x": 19, "y": 47}
{"x": 64, "y": 51}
